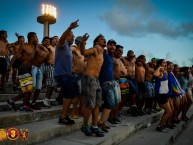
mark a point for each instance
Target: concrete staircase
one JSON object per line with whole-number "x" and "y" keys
{"x": 44, "y": 129}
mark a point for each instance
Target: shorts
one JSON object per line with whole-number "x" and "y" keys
{"x": 162, "y": 98}
{"x": 77, "y": 78}
{"x": 37, "y": 77}
{"x": 109, "y": 95}
{"x": 117, "y": 90}
{"x": 49, "y": 70}
{"x": 25, "y": 78}
{"x": 3, "y": 65}
{"x": 133, "y": 87}
{"x": 91, "y": 91}
{"x": 16, "y": 64}
{"x": 141, "y": 90}
{"x": 149, "y": 90}
{"x": 66, "y": 84}
{"x": 124, "y": 86}
{"x": 24, "y": 69}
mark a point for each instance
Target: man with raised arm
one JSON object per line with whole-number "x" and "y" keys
{"x": 63, "y": 71}
{"x": 91, "y": 86}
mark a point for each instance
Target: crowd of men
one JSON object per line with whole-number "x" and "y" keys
{"x": 98, "y": 78}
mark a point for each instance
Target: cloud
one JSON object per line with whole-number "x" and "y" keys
{"x": 139, "y": 18}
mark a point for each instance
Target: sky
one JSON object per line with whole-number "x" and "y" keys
{"x": 154, "y": 28}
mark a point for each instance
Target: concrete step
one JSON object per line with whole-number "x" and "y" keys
{"x": 45, "y": 130}
{"x": 149, "y": 136}
{"x": 9, "y": 88}
{"x": 4, "y": 97}
{"x": 12, "y": 118}
{"x": 5, "y": 107}
{"x": 116, "y": 133}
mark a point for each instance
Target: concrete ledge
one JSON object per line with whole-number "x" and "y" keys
{"x": 16, "y": 118}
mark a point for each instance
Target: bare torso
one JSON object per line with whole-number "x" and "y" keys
{"x": 119, "y": 69}
{"x": 51, "y": 55}
{"x": 41, "y": 54}
{"x": 3, "y": 49}
{"x": 94, "y": 62}
{"x": 78, "y": 65}
{"x": 139, "y": 73}
{"x": 130, "y": 66}
{"x": 149, "y": 73}
{"x": 27, "y": 54}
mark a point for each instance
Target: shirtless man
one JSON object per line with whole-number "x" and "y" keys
{"x": 40, "y": 57}
{"x": 91, "y": 87}
{"x": 49, "y": 70}
{"x": 149, "y": 87}
{"x": 140, "y": 78}
{"x": 17, "y": 63}
{"x": 3, "y": 56}
{"x": 119, "y": 73}
{"x": 129, "y": 63}
{"x": 78, "y": 67}
{"x": 27, "y": 52}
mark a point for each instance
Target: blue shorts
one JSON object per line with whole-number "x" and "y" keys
{"x": 133, "y": 87}
{"x": 66, "y": 84}
{"x": 149, "y": 89}
{"x": 109, "y": 94}
{"x": 37, "y": 77}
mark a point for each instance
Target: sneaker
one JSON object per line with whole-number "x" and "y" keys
{"x": 120, "y": 114}
{"x": 25, "y": 108}
{"x": 102, "y": 126}
{"x": 97, "y": 131}
{"x": 134, "y": 111}
{"x": 116, "y": 119}
{"x": 11, "y": 104}
{"x": 153, "y": 111}
{"x": 107, "y": 127}
{"x": 74, "y": 116}
{"x": 112, "y": 121}
{"x": 66, "y": 121}
{"x": 59, "y": 100}
{"x": 184, "y": 118}
{"x": 158, "y": 109}
{"x": 161, "y": 129}
{"x": 35, "y": 106}
{"x": 46, "y": 103}
{"x": 147, "y": 111}
{"x": 86, "y": 130}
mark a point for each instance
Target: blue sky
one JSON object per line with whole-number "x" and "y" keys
{"x": 155, "y": 28}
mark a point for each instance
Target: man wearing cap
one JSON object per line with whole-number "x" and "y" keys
{"x": 108, "y": 88}
{"x": 78, "y": 66}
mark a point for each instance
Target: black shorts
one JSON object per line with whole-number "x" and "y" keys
{"x": 16, "y": 64}
{"x": 3, "y": 65}
{"x": 24, "y": 69}
{"x": 162, "y": 98}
